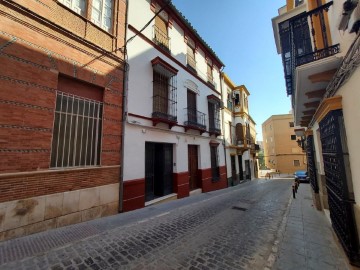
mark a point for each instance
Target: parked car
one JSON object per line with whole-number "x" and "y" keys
{"x": 302, "y": 176}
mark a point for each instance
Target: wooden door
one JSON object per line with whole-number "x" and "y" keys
{"x": 233, "y": 169}
{"x": 191, "y": 106}
{"x": 194, "y": 181}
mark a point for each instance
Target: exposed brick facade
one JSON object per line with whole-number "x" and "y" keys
{"x": 37, "y": 45}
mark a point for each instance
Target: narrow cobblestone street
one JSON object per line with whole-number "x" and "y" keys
{"x": 234, "y": 228}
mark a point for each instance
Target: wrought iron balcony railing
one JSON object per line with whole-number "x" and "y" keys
{"x": 214, "y": 127}
{"x": 317, "y": 55}
{"x": 195, "y": 119}
{"x": 164, "y": 109}
{"x": 161, "y": 38}
{"x": 300, "y": 42}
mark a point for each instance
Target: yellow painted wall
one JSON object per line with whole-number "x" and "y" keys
{"x": 279, "y": 147}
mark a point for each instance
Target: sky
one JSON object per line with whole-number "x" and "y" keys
{"x": 240, "y": 33}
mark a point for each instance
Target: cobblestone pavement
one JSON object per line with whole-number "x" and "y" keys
{"x": 235, "y": 228}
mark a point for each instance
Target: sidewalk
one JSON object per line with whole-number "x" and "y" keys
{"x": 308, "y": 241}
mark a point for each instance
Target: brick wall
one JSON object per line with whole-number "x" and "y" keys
{"x": 32, "y": 56}
{"x": 28, "y": 185}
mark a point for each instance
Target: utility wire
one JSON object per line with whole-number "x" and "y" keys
{"x": 147, "y": 24}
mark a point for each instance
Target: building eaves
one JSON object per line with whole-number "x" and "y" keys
{"x": 182, "y": 18}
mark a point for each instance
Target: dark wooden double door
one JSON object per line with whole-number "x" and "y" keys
{"x": 158, "y": 170}
{"x": 194, "y": 179}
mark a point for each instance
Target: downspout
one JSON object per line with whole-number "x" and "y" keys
{"x": 124, "y": 113}
{"x": 223, "y": 123}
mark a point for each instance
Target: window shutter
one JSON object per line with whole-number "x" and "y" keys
{"x": 161, "y": 24}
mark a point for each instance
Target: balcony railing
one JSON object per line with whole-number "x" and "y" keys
{"x": 299, "y": 44}
{"x": 317, "y": 55}
{"x": 164, "y": 109}
{"x": 195, "y": 119}
{"x": 214, "y": 127}
{"x": 161, "y": 38}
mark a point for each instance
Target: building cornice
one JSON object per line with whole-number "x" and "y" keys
{"x": 168, "y": 55}
{"x": 327, "y": 105}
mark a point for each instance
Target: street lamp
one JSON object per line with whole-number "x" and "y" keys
{"x": 300, "y": 132}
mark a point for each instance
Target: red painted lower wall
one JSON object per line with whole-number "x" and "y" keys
{"x": 134, "y": 194}
{"x": 208, "y": 184}
{"x": 181, "y": 184}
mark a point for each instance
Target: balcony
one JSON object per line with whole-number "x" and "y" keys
{"x": 214, "y": 127}
{"x": 161, "y": 38}
{"x": 317, "y": 55}
{"x": 195, "y": 120}
{"x": 303, "y": 39}
{"x": 164, "y": 111}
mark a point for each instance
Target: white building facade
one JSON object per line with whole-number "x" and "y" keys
{"x": 239, "y": 133}
{"x": 319, "y": 42}
{"x": 173, "y": 143}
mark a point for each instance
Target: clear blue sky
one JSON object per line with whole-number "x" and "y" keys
{"x": 240, "y": 33}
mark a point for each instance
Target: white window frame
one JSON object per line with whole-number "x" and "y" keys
{"x": 73, "y": 5}
{"x": 102, "y": 12}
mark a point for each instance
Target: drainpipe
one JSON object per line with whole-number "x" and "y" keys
{"x": 124, "y": 113}
{"x": 223, "y": 123}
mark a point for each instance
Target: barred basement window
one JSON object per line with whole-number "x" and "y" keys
{"x": 77, "y": 131}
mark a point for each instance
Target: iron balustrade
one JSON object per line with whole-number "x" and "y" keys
{"x": 317, "y": 55}
{"x": 161, "y": 38}
{"x": 162, "y": 111}
{"x": 195, "y": 119}
{"x": 214, "y": 126}
{"x": 299, "y": 44}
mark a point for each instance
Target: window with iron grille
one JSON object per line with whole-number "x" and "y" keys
{"x": 215, "y": 171}
{"x": 296, "y": 163}
{"x": 214, "y": 117}
{"x": 164, "y": 96}
{"x": 77, "y": 131}
{"x": 102, "y": 13}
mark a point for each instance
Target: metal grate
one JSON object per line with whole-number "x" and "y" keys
{"x": 340, "y": 195}
{"x": 77, "y": 131}
{"x": 311, "y": 163}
